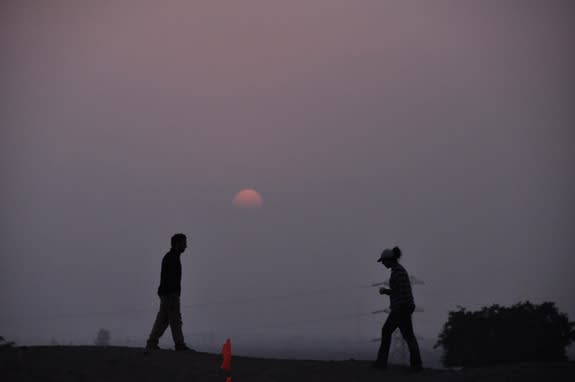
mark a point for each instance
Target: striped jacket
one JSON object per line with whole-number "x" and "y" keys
{"x": 400, "y": 286}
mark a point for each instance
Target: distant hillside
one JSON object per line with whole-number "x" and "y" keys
{"x": 91, "y": 363}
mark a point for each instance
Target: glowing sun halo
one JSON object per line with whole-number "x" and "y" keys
{"x": 248, "y": 198}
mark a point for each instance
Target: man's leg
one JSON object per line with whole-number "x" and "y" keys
{"x": 386, "y": 331}
{"x": 160, "y": 325}
{"x": 175, "y": 320}
{"x": 406, "y": 328}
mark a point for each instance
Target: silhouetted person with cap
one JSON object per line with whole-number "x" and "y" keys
{"x": 401, "y": 307}
{"x": 169, "y": 292}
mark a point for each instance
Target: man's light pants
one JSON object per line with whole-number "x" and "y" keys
{"x": 169, "y": 315}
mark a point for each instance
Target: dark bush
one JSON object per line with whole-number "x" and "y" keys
{"x": 496, "y": 334}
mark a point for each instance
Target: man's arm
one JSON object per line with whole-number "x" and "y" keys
{"x": 164, "y": 276}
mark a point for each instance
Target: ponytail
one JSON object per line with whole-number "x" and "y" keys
{"x": 396, "y": 253}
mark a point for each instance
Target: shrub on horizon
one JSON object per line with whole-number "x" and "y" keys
{"x": 497, "y": 334}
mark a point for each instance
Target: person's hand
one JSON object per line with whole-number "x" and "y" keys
{"x": 383, "y": 290}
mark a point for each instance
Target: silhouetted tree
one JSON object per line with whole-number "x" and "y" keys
{"x": 103, "y": 338}
{"x": 495, "y": 334}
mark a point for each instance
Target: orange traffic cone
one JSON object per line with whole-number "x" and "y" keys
{"x": 227, "y": 355}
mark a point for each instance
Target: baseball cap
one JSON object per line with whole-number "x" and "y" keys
{"x": 387, "y": 254}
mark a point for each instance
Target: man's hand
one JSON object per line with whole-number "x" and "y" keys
{"x": 383, "y": 290}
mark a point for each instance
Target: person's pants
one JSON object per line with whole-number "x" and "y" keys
{"x": 400, "y": 317}
{"x": 169, "y": 314}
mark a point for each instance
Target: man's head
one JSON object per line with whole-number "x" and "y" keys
{"x": 179, "y": 242}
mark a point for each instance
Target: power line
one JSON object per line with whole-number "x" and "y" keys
{"x": 272, "y": 297}
{"x": 250, "y": 300}
{"x": 305, "y": 321}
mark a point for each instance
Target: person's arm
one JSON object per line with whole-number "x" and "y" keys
{"x": 383, "y": 290}
{"x": 164, "y": 276}
{"x": 167, "y": 275}
{"x": 387, "y": 291}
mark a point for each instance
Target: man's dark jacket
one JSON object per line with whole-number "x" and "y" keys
{"x": 171, "y": 277}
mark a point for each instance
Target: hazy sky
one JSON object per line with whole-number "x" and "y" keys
{"x": 444, "y": 127}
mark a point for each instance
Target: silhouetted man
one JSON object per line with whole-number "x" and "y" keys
{"x": 401, "y": 307}
{"x": 169, "y": 292}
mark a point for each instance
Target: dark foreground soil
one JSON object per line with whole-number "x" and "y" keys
{"x": 91, "y": 363}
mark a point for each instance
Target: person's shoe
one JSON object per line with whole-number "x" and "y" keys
{"x": 379, "y": 365}
{"x": 152, "y": 346}
{"x": 183, "y": 347}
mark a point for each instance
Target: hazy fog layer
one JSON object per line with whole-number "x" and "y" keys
{"x": 444, "y": 127}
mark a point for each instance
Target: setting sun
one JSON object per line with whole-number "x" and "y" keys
{"x": 248, "y": 198}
